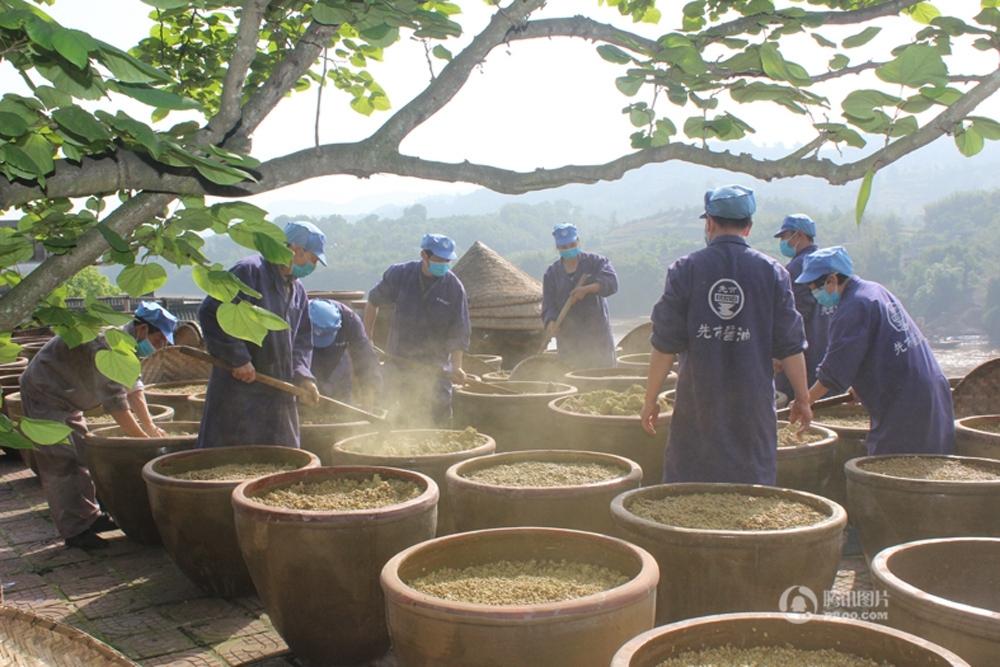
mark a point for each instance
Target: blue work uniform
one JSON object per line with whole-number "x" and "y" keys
{"x": 584, "y": 339}
{"x": 333, "y": 370}
{"x": 237, "y": 413}
{"x": 815, "y": 319}
{"x": 728, "y": 310}
{"x": 431, "y": 320}
{"x": 876, "y": 348}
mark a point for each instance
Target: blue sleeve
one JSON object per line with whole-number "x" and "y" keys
{"x": 220, "y": 344}
{"x": 460, "y": 331}
{"x": 550, "y": 309}
{"x": 363, "y": 358}
{"x": 848, "y": 346}
{"x": 804, "y": 301}
{"x": 670, "y": 332}
{"x": 302, "y": 346}
{"x": 788, "y": 334}
{"x": 387, "y": 290}
{"x": 604, "y": 275}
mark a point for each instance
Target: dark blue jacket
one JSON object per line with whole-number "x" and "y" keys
{"x": 334, "y": 371}
{"x": 728, "y": 310}
{"x": 815, "y": 319}
{"x": 584, "y": 339}
{"x": 876, "y": 348}
{"x": 237, "y": 413}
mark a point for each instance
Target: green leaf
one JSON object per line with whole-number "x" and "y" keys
{"x": 628, "y": 85}
{"x": 121, "y": 367}
{"x": 329, "y": 15}
{"x": 916, "y": 104}
{"x": 126, "y": 68}
{"x": 822, "y": 41}
{"x": 987, "y": 127}
{"x": 154, "y": 97}
{"x": 862, "y": 38}
{"x": 119, "y": 340}
{"x": 904, "y": 126}
{"x": 613, "y": 54}
{"x": 70, "y": 80}
{"x": 969, "y": 141}
{"x": 9, "y": 351}
{"x": 273, "y": 250}
{"x": 862, "y": 103}
{"x": 116, "y": 242}
{"x": 441, "y": 52}
{"x": 916, "y": 65}
{"x": 140, "y": 279}
{"x": 221, "y": 285}
{"x": 167, "y": 4}
{"x": 240, "y": 321}
{"x": 839, "y": 61}
{"x": 864, "y": 194}
{"x": 15, "y": 440}
{"x": 12, "y": 125}
{"x": 640, "y": 117}
{"x": 53, "y": 98}
{"x": 82, "y": 124}
{"x": 44, "y": 431}
{"x": 106, "y": 313}
{"x": 73, "y": 45}
{"x": 923, "y": 12}
{"x": 38, "y": 151}
{"x": 269, "y": 320}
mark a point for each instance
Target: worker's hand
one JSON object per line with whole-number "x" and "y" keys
{"x": 312, "y": 397}
{"x": 154, "y": 431}
{"x": 648, "y": 416}
{"x": 458, "y": 376}
{"x": 800, "y": 412}
{"x": 245, "y": 373}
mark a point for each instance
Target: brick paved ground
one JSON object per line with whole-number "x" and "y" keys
{"x": 133, "y": 598}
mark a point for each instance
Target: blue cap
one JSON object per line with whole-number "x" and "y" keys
{"x": 439, "y": 245}
{"x": 157, "y": 316}
{"x": 798, "y": 222}
{"x": 307, "y": 235}
{"x": 730, "y": 201}
{"x": 824, "y": 262}
{"x": 325, "y": 318}
{"x": 564, "y": 233}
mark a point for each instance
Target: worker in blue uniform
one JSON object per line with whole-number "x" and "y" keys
{"x": 429, "y": 333}
{"x": 341, "y": 352}
{"x": 727, "y": 311}
{"x": 584, "y": 339}
{"x": 797, "y": 240}
{"x": 239, "y": 411}
{"x": 877, "y": 350}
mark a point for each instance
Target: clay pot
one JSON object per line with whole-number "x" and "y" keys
{"x": 516, "y": 421}
{"x": 892, "y": 510}
{"x": 718, "y": 571}
{"x": 865, "y": 640}
{"x": 317, "y": 572}
{"x": 621, "y": 435}
{"x": 433, "y": 632}
{"x": 808, "y": 467}
{"x": 850, "y": 445}
{"x": 638, "y": 360}
{"x": 973, "y": 439}
{"x": 195, "y": 517}
{"x": 433, "y": 465}
{"x": 613, "y": 379}
{"x": 326, "y": 427}
{"x": 478, "y": 505}
{"x": 186, "y": 410}
{"x": 946, "y": 591}
{"x": 115, "y": 464}
{"x": 496, "y": 376}
{"x": 480, "y": 364}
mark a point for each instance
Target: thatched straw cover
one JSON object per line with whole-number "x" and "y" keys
{"x": 30, "y": 640}
{"x": 491, "y": 281}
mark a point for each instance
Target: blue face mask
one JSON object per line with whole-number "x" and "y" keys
{"x": 437, "y": 269}
{"x": 786, "y": 248}
{"x": 826, "y": 299}
{"x": 145, "y": 348}
{"x": 569, "y": 253}
{"x": 303, "y": 270}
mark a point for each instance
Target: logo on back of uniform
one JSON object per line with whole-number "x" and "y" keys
{"x": 726, "y": 298}
{"x": 896, "y": 316}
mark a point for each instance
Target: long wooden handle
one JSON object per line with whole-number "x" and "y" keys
{"x": 562, "y": 313}
{"x": 476, "y": 382}
{"x": 280, "y": 385}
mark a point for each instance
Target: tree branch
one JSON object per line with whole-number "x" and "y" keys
{"x": 505, "y": 23}
{"x": 17, "y": 305}
{"x": 239, "y": 64}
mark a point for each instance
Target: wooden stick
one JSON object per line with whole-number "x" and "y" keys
{"x": 476, "y": 382}
{"x": 562, "y": 314}
{"x": 280, "y": 385}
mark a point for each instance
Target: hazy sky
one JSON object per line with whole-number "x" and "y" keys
{"x": 540, "y": 103}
